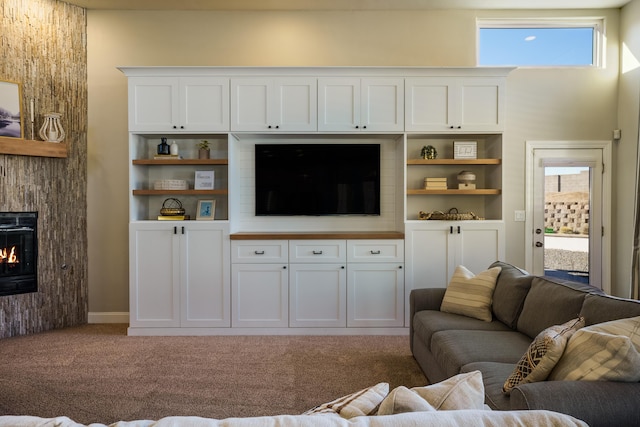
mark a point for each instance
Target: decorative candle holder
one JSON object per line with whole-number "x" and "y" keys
{"x": 51, "y": 129}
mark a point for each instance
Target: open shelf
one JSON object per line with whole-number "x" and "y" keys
{"x": 27, "y": 147}
{"x": 180, "y": 162}
{"x": 454, "y": 161}
{"x": 476, "y": 192}
{"x": 179, "y": 192}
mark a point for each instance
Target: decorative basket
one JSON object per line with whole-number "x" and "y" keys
{"x": 451, "y": 215}
{"x": 172, "y": 207}
{"x": 170, "y": 184}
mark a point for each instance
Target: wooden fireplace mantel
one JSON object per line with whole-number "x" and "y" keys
{"x": 26, "y": 147}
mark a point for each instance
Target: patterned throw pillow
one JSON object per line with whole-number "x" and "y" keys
{"x": 471, "y": 295}
{"x": 543, "y": 354}
{"x": 363, "y": 402}
{"x": 607, "y": 351}
{"x": 462, "y": 391}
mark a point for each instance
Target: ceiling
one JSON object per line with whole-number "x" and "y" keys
{"x": 345, "y": 4}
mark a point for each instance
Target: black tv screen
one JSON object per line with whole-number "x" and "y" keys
{"x": 317, "y": 179}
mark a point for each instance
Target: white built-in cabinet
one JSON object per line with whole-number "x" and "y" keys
{"x": 454, "y": 104}
{"x": 208, "y": 277}
{"x": 178, "y": 104}
{"x": 274, "y": 105}
{"x": 361, "y": 105}
{"x": 179, "y": 274}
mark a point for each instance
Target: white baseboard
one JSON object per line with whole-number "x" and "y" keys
{"x": 109, "y": 317}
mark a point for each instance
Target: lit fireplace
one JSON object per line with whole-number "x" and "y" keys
{"x": 18, "y": 252}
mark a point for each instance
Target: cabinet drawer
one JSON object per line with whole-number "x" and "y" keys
{"x": 317, "y": 251}
{"x": 375, "y": 250}
{"x": 259, "y": 251}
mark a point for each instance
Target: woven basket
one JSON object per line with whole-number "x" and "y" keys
{"x": 172, "y": 207}
{"x": 452, "y": 215}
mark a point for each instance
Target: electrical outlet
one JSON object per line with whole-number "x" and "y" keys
{"x": 520, "y": 216}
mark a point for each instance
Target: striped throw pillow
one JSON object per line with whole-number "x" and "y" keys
{"x": 471, "y": 295}
{"x": 363, "y": 402}
{"x": 607, "y": 351}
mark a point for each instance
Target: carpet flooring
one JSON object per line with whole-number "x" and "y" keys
{"x": 96, "y": 373}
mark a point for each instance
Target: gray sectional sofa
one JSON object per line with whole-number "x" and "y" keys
{"x": 523, "y": 305}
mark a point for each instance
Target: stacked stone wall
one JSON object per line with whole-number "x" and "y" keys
{"x": 567, "y": 217}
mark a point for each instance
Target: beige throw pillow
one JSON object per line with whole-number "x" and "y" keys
{"x": 543, "y": 354}
{"x": 607, "y": 351}
{"x": 471, "y": 295}
{"x": 463, "y": 391}
{"x": 363, "y": 402}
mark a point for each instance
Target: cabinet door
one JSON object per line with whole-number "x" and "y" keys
{"x": 317, "y": 295}
{"x": 477, "y": 245}
{"x": 427, "y": 256}
{"x": 250, "y": 104}
{"x": 375, "y": 295}
{"x": 382, "y": 108}
{"x": 154, "y": 277}
{"x": 205, "y": 280}
{"x": 295, "y": 105}
{"x": 153, "y": 104}
{"x": 260, "y": 295}
{"x": 481, "y": 104}
{"x": 339, "y": 104}
{"x": 430, "y": 104}
{"x": 204, "y": 104}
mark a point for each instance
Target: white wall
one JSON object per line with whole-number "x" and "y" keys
{"x": 551, "y": 104}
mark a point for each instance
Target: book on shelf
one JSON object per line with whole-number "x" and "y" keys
{"x": 435, "y": 179}
{"x": 436, "y": 187}
{"x": 167, "y": 157}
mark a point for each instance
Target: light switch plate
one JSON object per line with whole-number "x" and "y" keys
{"x": 520, "y": 216}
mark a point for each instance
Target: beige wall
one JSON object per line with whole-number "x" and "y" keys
{"x": 541, "y": 105}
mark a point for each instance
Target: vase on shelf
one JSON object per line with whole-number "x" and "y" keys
{"x": 204, "y": 153}
{"x": 51, "y": 130}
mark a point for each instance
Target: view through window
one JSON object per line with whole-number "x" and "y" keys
{"x": 539, "y": 43}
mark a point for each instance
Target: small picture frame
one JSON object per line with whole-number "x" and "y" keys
{"x": 204, "y": 180}
{"x": 11, "y": 117}
{"x": 465, "y": 149}
{"x": 206, "y": 210}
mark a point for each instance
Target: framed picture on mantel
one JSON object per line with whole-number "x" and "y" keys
{"x": 206, "y": 210}
{"x": 10, "y": 111}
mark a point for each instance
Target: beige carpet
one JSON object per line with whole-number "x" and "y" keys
{"x": 95, "y": 373}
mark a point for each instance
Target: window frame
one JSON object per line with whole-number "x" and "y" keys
{"x": 597, "y": 23}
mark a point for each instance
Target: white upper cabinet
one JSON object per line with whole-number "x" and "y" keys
{"x": 361, "y": 104}
{"x": 178, "y": 104}
{"x": 274, "y": 105}
{"x": 454, "y": 104}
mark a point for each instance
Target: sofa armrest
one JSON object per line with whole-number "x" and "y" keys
{"x": 598, "y": 403}
{"x": 423, "y": 299}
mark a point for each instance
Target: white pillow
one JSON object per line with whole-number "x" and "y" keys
{"x": 607, "y": 351}
{"x": 471, "y": 295}
{"x": 463, "y": 391}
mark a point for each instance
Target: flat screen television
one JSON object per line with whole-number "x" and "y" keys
{"x": 317, "y": 179}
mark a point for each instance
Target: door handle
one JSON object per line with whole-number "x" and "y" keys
{"x": 539, "y": 244}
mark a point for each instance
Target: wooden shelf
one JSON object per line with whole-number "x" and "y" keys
{"x": 180, "y": 192}
{"x": 180, "y": 161}
{"x": 477, "y": 192}
{"x": 454, "y": 161}
{"x": 27, "y": 147}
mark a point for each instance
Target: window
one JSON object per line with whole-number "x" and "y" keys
{"x": 540, "y": 43}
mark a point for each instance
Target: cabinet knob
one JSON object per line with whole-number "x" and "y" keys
{"x": 342, "y": 267}
{"x": 277, "y": 127}
{"x": 357, "y": 127}
{"x": 400, "y": 266}
{"x": 175, "y": 127}
{"x": 364, "y": 127}
{"x": 269, "y": 127}
{"x": 284, "y": 267}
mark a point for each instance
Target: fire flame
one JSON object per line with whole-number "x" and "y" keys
{"x": 11, "y": 258}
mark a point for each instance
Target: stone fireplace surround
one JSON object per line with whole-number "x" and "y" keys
{"x": 45, "y": 51}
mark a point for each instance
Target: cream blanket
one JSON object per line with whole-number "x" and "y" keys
{"x": 467, "y": 418}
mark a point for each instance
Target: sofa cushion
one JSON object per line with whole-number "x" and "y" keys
{"x": 427, "y": 322}
{"x": 454, "y": 349}
{"x": 493, "y": 375}
{"x": 604, "y": 308}
{"x": 511, "y": 289}
{"x": 607, "y": 351}
{"x": 463, "y": 391}
{"x": 543, "y": 354}
{"x": 550, "y": 303}
{"x": 363, "y": 402}
{"x": 470, "y": 295}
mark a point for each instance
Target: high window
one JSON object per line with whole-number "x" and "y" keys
{"x": 540, "y": 43}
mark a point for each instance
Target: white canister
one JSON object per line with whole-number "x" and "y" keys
{"x": 174, "y": 149}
